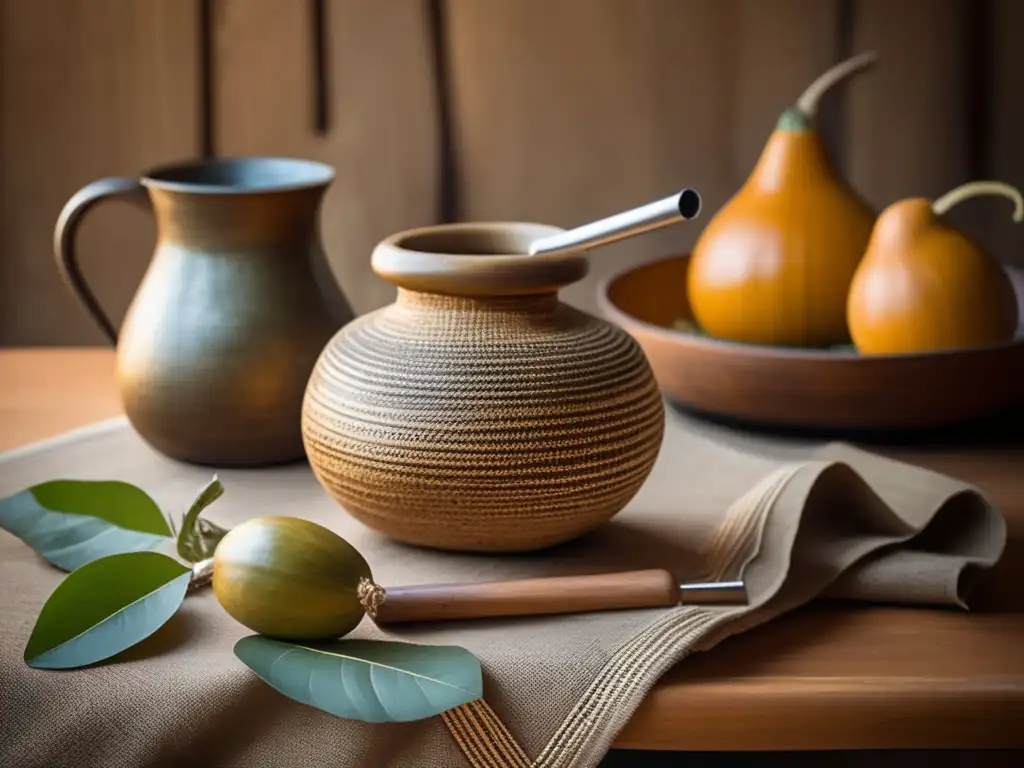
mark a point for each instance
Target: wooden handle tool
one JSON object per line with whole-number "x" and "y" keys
{"x": 553, "y": 595}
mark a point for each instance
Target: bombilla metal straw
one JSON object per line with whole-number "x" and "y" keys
{"x": 682, "y": 206}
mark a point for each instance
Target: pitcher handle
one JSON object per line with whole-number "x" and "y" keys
{"x": 66, "y": 231}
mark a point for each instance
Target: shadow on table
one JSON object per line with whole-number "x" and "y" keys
{"x": 855, "y": 759}
{"x": 1001, "y": 430}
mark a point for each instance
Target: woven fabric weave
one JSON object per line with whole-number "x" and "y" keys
{"x": 805, "y": 520}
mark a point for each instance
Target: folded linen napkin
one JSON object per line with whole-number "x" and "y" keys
{"x": 796, "y": 521}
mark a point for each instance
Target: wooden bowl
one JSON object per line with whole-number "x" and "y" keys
{"x": 804, "y": 388}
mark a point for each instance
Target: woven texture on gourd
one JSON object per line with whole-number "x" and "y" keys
{"x": 482, "y": 424}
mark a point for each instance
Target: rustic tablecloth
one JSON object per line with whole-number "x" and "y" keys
{"x": 795, "y": 520}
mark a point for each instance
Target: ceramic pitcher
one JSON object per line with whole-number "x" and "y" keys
{"x": 236, "y": 304}
{"x": 479, "y": 412}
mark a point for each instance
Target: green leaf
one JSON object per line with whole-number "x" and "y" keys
{"x": 119, "y": 503}
{"x": 199, "y": 537}
{"x": 372, "y": 681}
{"x": 104, "y": 607}
{"x": 73, "y": 522}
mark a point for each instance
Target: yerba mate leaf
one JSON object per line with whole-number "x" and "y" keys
{"x": 74, "y": 522}
{"x": 368, "y": 680}
{"x": 105, "y": 607}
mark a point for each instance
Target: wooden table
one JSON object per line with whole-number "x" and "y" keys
{"x": 824, "y": 677}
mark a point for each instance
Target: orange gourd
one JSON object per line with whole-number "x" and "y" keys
{"x": 774, "y": 265}
{"x": 924, "y": 286}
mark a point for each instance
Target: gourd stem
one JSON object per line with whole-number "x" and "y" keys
{"x": 371, "y": 596}
{"x": 202, "y": 574}
{"x": 810, "y": 98}
{"x": 976, "y": 188}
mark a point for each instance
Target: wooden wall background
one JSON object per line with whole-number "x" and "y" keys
{"x": 552, "y": 110}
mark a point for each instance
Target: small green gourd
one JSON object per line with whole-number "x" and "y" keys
{"x": 292, "y": 579}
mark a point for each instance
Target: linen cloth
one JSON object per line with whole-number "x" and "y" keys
{"x": 796, "y": 520}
